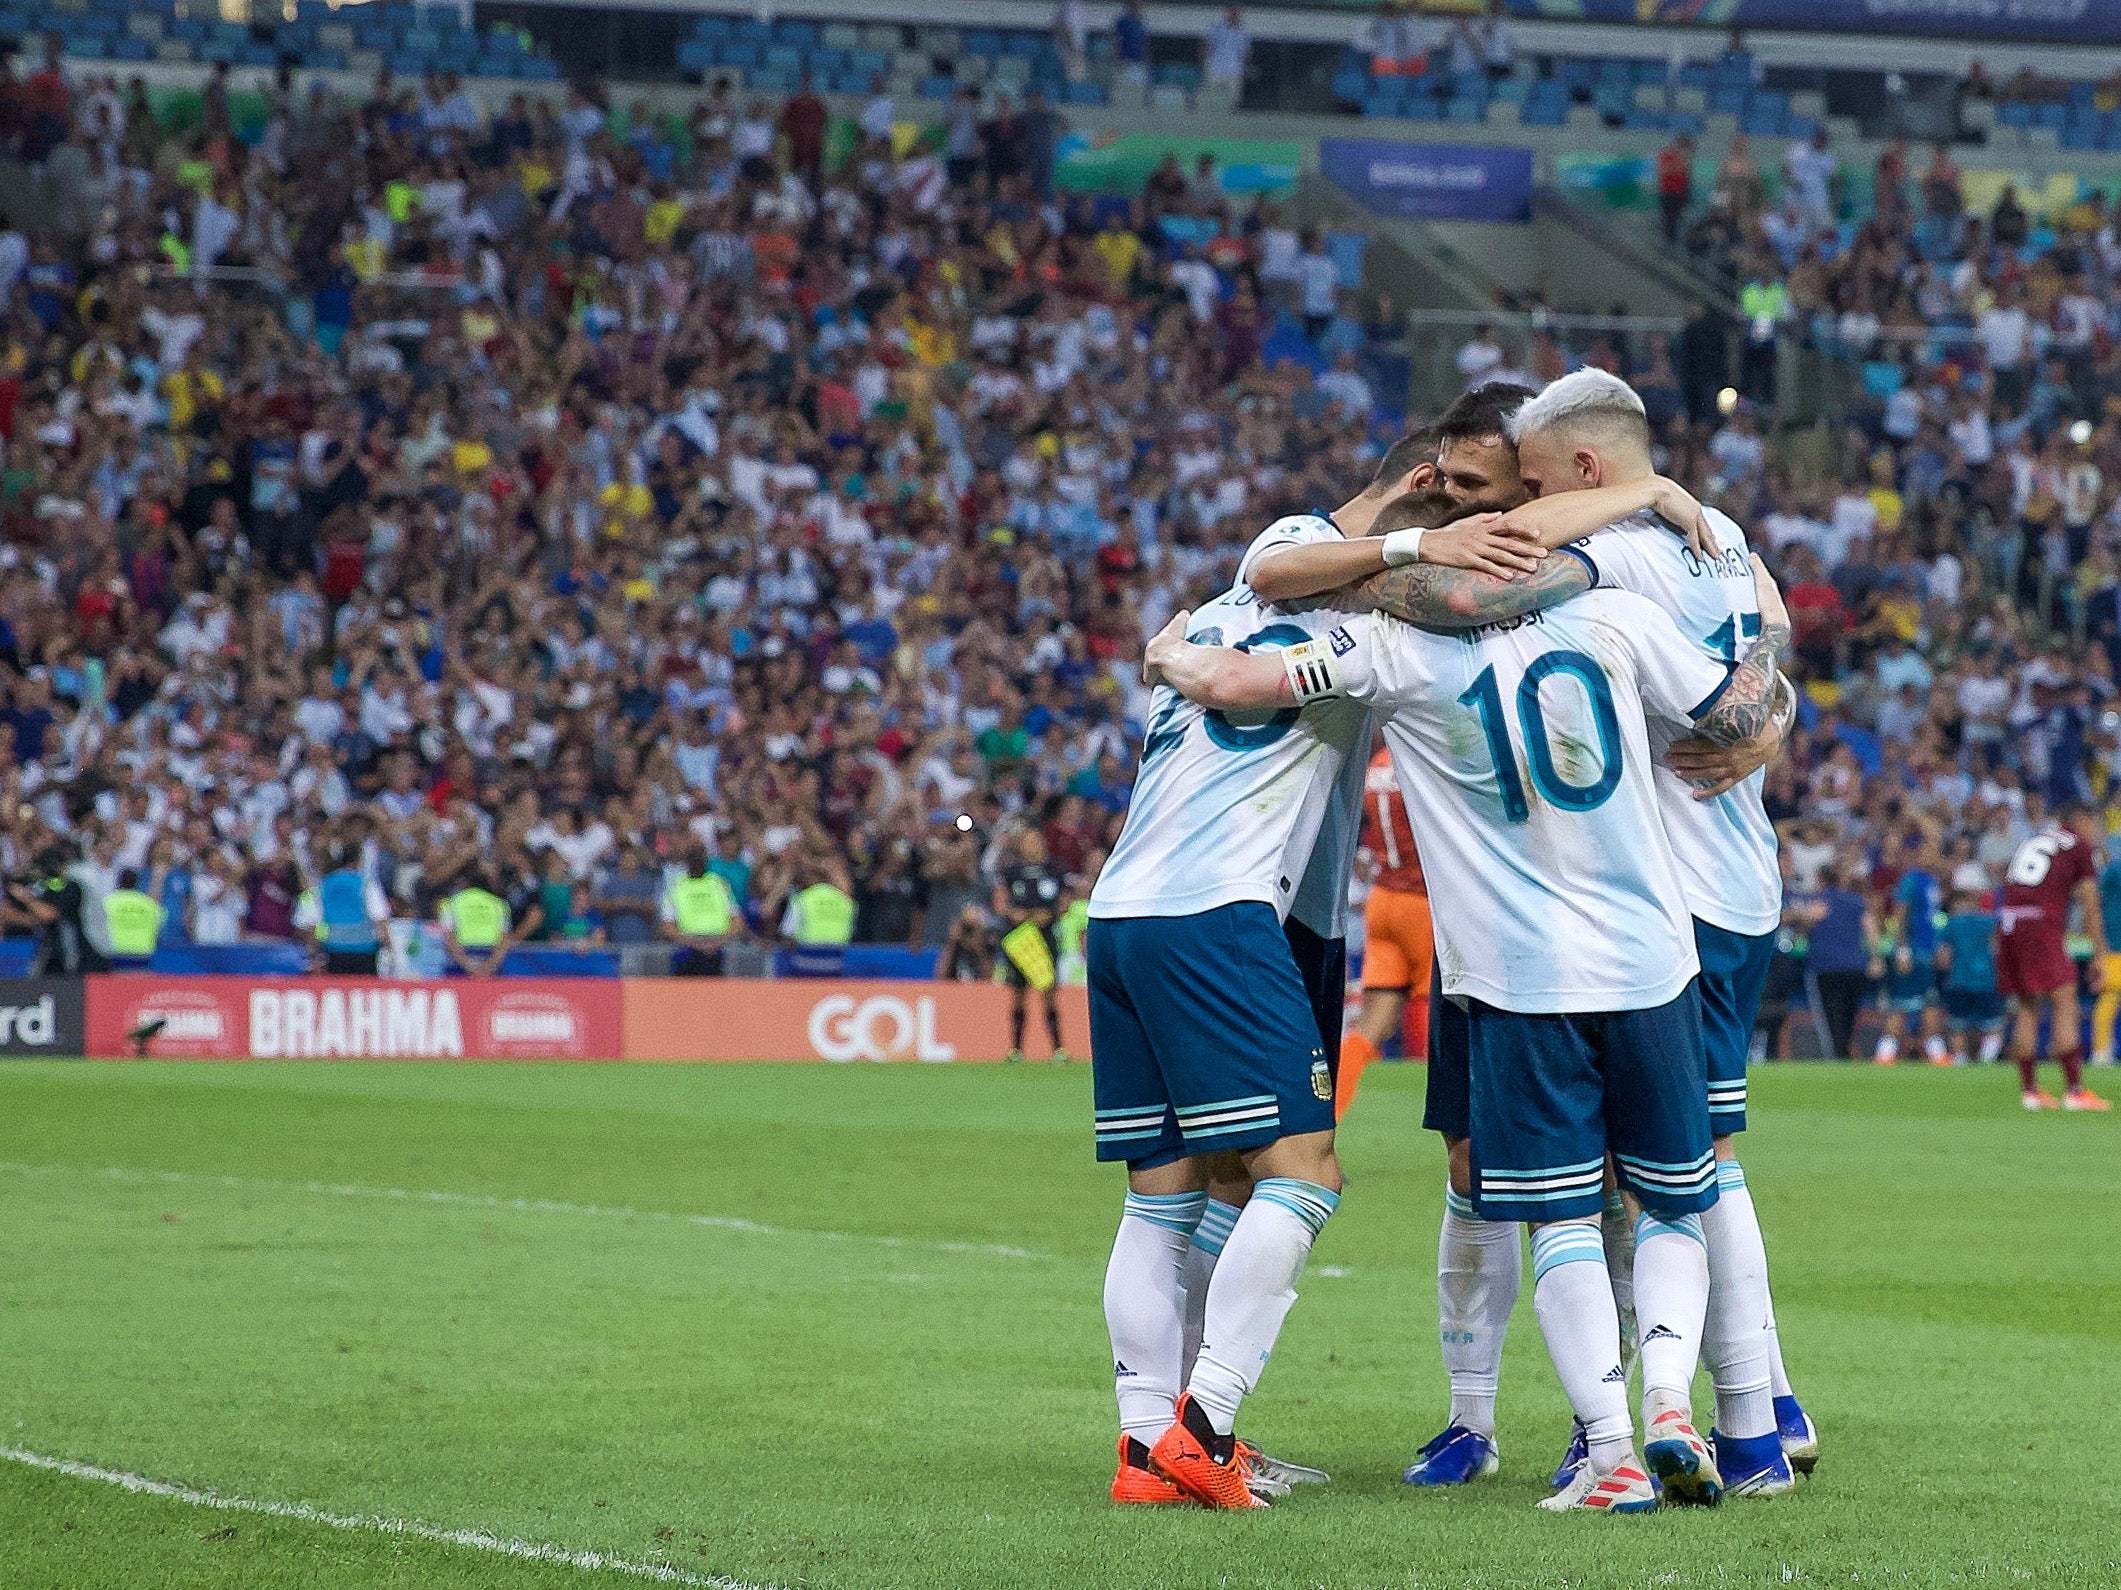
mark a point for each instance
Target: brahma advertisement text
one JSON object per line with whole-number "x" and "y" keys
{"x": 507, "y": 1018}
{"x": 354, "y": 1018}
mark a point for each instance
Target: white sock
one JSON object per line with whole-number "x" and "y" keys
{"x": 1574, "y": 1302}
{"x": 1479, "y": 1267}
{"x": 1733, "y": 1190}
{"x": 1209, "y": 1237}
{"x": 1991, "y": 1049}
{"x": 1933, "y": 1047}
{"x": 1888, "y": 1047}
{"x": 1617, "y": 1232}
{"x": 1144, "y": 1307}
{"x": 1734, "y": 1339}
{"x": 1671, "y": 1301}
{"x": 1253, "y": 1289}
{"x": 1778, "y": 1377}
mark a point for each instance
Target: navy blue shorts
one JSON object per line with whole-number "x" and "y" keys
{"x": 1448, "y": 1107}
{"x": 1202, "y": 1038}
{"x": 1734, "y": 969}
{"x": 1323, "y": 965}
{"x": 1553, "y": 1094}
{"x": 1968, "y": 1009}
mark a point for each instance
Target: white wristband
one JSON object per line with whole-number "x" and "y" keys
{"x": 1311, "y": 670}
{"x": 1403, "y": 546}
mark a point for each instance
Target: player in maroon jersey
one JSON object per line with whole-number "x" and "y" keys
{"x": 2033, "y": 968}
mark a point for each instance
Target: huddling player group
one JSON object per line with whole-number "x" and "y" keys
{"x": 1575, "y": 670}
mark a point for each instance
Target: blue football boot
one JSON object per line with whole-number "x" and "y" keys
{"x": 1755, "y": 1466}
{"x": 1458, "y": 1456}
{"x": 1800, "y": 1441}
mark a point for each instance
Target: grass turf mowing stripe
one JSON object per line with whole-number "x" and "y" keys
{"x": 370, "y": 1523}
{"x": 525, "y": 1206}
{"x": 543, "y": 1206}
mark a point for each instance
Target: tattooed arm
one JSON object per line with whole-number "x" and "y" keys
{"x": 1435, "y": 597}
{"x": 1750, "y": 703}
{"x": 1716, "y": 770}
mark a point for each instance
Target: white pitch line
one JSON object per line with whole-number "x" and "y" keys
{"x": 376, "y": 1524}
{"x": 530, "y": 1206}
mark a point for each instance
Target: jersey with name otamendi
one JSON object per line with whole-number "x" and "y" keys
{"x": 1726, "y": 847}
{"x": 1320, "y": 902}
{"x": 1524, "y": 758}
{"x": 1228, "y": 806}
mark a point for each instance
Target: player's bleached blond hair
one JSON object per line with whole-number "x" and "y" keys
{"x": 1584, "y": 401}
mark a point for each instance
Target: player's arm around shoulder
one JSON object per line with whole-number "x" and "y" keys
{"x": 1439, "y": 596}
{"x": 1224, "y": 679}
{"x": 1563, "y": 517}
{"x": 1483, "y": 545}
{"x": 1294, "y": 570}
{"x": 1220, "y": 678}
{"x": 1303, "y": 554}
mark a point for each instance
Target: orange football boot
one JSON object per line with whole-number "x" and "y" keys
{"x": 1136, "y": 1484}
{"x": 1206, "y": 1466}
{"x": 2085, "y": 1099}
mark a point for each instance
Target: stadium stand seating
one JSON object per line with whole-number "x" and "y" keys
{"x": 410, "y": 41}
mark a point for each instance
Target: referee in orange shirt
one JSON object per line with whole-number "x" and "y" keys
{"x": 1399, "y": 948}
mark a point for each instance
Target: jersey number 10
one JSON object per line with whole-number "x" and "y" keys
{"x": 1484, "y": 696}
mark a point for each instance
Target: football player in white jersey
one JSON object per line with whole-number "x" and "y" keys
{"x": 1479, "y": 1263}
{"x": 1203, "y": 1043}
{"x": 1524, "y": 747}
{"x": 1583, "y": 453}
{"x": 1316, "y": 923}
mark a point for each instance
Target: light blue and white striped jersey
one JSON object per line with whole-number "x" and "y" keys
{"x": 1321, "y": 899}
{"x": 1228, "y": 807}
{"x": 1523, "y": 755}
{"x": 1725, "y": 847}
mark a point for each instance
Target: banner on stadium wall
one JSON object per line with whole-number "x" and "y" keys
{"x": 1109, "y": 162}
{"x": 2044, "y": 21}
{"x": 41, "y": 1016}
{"x": 525, "y": 1018}
{"x": 1432, "y": 182}
{"x": 335, "y": 1018}
{"x": 1623, "y": 182}
{"x": 798, "y": 1019}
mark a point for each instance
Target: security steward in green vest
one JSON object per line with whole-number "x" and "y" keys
{"x": 133, "y": 920}
{"x": 700, "y": 917}
{"x": 476, "y": 928}
{"x": 820, "y": 915}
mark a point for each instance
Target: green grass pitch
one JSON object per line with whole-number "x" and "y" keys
{"x": 472, "y": 1296}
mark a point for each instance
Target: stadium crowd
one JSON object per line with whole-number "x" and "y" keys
{"x": 1953, "y": 558}
{"x": 602, "y": 499}
{"x": 605, "y": 500}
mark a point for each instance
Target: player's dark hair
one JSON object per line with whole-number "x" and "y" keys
{"x": 1418, "y": 446}
{"x": 1483, "y": 412}
{"x": 1419, "y": 510}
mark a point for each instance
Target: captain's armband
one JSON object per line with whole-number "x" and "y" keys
{"x": 1313, "y": 669}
